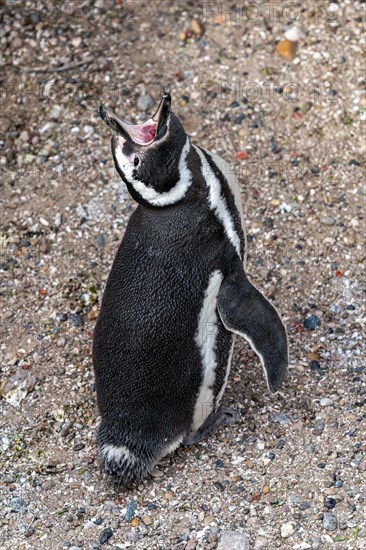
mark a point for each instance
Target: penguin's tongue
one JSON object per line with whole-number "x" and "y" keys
{"x": 142, "y": 134}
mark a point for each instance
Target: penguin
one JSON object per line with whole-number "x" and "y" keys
{"x": 176, "y": 298}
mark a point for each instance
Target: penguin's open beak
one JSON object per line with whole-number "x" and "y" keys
{"x": 142, "y": 134}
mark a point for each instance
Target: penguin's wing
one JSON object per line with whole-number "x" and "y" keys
{"x": 245, "y": 311}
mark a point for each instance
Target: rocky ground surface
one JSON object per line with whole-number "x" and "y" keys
{"x": 291, "y": 473}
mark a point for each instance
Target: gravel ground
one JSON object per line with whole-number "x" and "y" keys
{"x": 291, "y": 473}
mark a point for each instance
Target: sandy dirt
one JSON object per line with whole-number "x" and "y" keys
{"x": 291, "y": 473}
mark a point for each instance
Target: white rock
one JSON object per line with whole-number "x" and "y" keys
{"x": 294, "y": 34}
{"x": 232, "y": 540}
{"x": 287, "y": 529}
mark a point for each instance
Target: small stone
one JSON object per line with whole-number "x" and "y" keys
{"x": 350, "y": 240}
{"x": 329, "y": 521}
{"x": 147, "y": 520}
{"x": 281, "y": 418}
{"x": 58, "y": 220}
{"x": 339, "y": 483}
{"x": 145, "y": 102}
{"x": 330, "y": 503}
{"x": 232, "y": 540}
{"x": 312, "y": 322}
{"x": 304, "y": 505}
{"x": 100, "y": 240}
{"x": 219, "y": 464}
{"x": 131, "y": 509}
{"x": 105, "y": 535}
{"x": 294, "y": 34}
{"x": 287, "y": 49}
{"x": 191, "y": 545}
{"x": 287, "y": 529}
{"x": 76, "y": 41}
{"x": 56, "y": 112}
{"x": 9, "y": 478}
{"x": 135, "y": 522}
{"x": 362, "y": 466}
{"x": 77, "y": 319}
{"x": 327, "y": 220}
{"x": 79, "y": 446}
{"x": 266, "y": 490}
{"x": 208, "y": 520}
{"x": 197, "y": 27}
{"x": 17, "y": 504}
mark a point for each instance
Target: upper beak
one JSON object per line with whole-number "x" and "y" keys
{"x": 142, "y": 134}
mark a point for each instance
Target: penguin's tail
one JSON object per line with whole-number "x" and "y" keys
{"x": 123, "y": 463}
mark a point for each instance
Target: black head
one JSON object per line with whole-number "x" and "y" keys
{"x": 150, "y": 157}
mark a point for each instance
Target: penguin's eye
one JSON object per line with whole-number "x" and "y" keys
{"x": 136, "y": 160}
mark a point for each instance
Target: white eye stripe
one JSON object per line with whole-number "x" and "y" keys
{"x": 149, "y": 194}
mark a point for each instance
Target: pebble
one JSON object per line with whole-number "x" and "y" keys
{"x": 330, "y": 503}
{"x": 281, "y": 418}
{"x": 197, "y": 27}
{"x": 147, "y": 520}
{"x": 145, "y": 102}
{"x": 287, "y": 49}
{"x": 77, "y": 319}
{"x": 131, "y": 509}
{"x": 330, "y": 521}
{"x": 17, "y": 504}
{"x": 232, "y": 540}
{"x": 287, "y": 529}
{"x": 56, "y": 112}
{"x": 294, "y": 34}
{"x": 327, "y": 220}
{"x": 312, "y": 322}
{"x": 105, "y": 535}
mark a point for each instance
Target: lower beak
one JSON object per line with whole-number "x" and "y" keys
{"x": 142, "y": 134}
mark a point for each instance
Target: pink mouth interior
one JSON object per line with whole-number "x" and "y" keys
{"x": 143, "y": 133}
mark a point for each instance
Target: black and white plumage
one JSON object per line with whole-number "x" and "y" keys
{"x": 175, "y": 298}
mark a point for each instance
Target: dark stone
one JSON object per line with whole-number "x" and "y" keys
{"x": 105, "y": 535}
{"x": 219, "y": 464}
{"x": 312, "y": 322}
{"x": 330, "y": 503}
{"x": 62, "y": 317}
{"x": 77, "y": 319}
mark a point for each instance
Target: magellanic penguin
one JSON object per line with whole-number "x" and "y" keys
{"x": 175, "y": 298}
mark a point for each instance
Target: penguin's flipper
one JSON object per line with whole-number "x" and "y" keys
{"x": 245, "y": 311}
